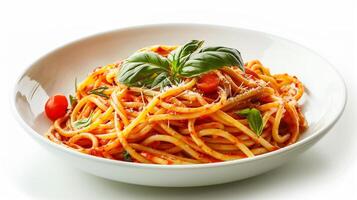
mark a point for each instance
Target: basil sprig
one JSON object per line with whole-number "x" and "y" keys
{"x": 254, "y": 118}
{"x": 73, "y": 100}
{"x": 144, "y": 69}
{"x": 82, "y": 123}
{"x": 211, "y": 58}
{"x": 99, "y": 91}
{"x": 127, "y": 156}
{"x": 152, "y": 70}
{"x": 179, "y": 56}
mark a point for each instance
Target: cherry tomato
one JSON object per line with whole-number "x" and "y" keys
{"x": 208, "y": 83}
{"x": 56, "y": 107}
{"x": 162, "y": 51}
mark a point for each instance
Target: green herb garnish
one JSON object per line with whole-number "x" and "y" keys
{"x": 254, "y": 118}
{"x": 211, "y": 58}
{"x": 82, "y": 123}
{"x": 152, "y": 70}
{"x": 127, "y": 156}
{"x": 99, "y": 91}
{"x": 72, "y": 100}
{"x": 75, "y": 85}
{"x": 179, "y": 56}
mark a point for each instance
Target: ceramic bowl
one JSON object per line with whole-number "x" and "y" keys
{"x": 55, "y": 72}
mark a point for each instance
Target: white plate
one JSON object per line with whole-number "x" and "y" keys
{"x": 54, "y": 73}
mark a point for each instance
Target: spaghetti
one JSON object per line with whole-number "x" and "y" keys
{"x": 182, "y": 124}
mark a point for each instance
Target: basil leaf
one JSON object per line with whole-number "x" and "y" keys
{"x": 161, "y": 81}
{"x": 255, "y": 121}
{"x": 244, "y": 112}
{"x": 254, "y": 118}
{"x": 99, "y": 91}
{"x": 142, "y": 68}
{"x": 72, "y": 100}
{"x": 75, "y": 85}
{"x": 127, "y": 156}
{"x": 84, "y": 122}
{"x": 211, "y": 58}
{"x": 231, "y": 51}
{"x": 180, "y": 55}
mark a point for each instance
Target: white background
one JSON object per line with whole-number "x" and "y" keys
{"x": 29, "y": 29}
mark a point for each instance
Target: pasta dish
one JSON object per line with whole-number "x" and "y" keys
{"x": 184, "y": 104}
